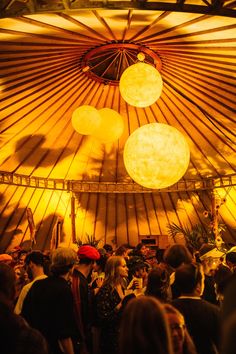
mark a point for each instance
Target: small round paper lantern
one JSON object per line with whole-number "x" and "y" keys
{"x": 85, "y": 119}
{"x": 111, "y": 125}
{"x": 141, "y": 85}
{"x": 156, "y": 155}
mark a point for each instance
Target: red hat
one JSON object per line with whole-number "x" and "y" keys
{"x": 88, "y": 252}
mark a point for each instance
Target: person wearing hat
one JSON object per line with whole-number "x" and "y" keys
{"x": 5, "y": 258}
{"x": 15, "y": 253}
{"x": 48, "y": 306}
{"x": 210, "y": 258}
{"x": 82, "y": 297}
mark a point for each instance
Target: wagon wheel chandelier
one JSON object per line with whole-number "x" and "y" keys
{"x": 107, "y": 63}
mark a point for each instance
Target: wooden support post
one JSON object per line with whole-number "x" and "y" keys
{"x": 72, "y": 215}
{"x": 215, "y": 206}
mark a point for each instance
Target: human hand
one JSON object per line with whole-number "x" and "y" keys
{"x": 99, "y": 282}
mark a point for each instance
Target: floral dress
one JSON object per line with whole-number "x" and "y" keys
{"x": 108, "y": 318}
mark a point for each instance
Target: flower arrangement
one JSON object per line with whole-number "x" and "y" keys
{"x": 193, "y": 237}
{"x": 210, "y": 232}
{"x": 89, "y": 240}
{"x": 197, "y": 235}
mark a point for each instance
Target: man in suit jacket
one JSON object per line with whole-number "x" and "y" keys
{"x": 202, "y": 318}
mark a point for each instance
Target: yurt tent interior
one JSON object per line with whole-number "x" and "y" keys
{"x": 90, "y": 153}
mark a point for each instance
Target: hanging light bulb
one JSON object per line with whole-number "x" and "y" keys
{"x": 156, "y": 155}
{"x": 141, "y": 84}
{"x": 86, "y": 119}
{"x": 111, "y": 125}
{"x": 105, "y": 124}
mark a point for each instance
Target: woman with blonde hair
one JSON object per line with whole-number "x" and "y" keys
{"x": 109, "y": 302}
{"x": 144, "y": 328}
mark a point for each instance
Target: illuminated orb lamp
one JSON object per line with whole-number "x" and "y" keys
{"x": 141, "y": 85}
{"x": 85, "y": 120}
{"x": 156, "y": 155}
{"x": 111, "y": 126}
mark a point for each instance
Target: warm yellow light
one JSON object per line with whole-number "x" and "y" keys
{"x": 111, "y": 125}
{"x": 141, "y": 85}
{"x": 141, "y": 56}
{"x": 156, "y": 155}
{"x": 86, "y": 119}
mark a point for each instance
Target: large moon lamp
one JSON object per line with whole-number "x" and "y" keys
{"x": 156, "y": 155}
{"x": 111, "y": 126}
{"x": 141, "y": 85}
{"x": 85, "y": 119}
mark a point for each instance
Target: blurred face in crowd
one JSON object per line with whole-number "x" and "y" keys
{"x": 123, "y": 269}
{"x": 141, "y": 273}
{"x": 22, "y": 259}
{"x": 177, "y": 328}
{"x": 210, "y": 265}
{"x": 96, "y": 267}
{"x": 21, "y": 275}
{"x": 152, "y": 261}
{"x": 18, "y": 272}
{"x": 144, "y": 250}
{"x": 29, "y": 270}
{"x": 15, "y": 255}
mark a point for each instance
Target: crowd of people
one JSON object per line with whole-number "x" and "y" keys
{"x": 128, "y": 300}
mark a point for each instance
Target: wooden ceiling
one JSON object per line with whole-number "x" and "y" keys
{"x": 44, "y": 161}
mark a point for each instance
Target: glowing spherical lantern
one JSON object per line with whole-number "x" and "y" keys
{"x": 141, "y": 85}
{"x": 156, "y": 155}
{"x": 111, "y": 125}
{"x": 85, "y": 119}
